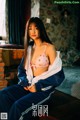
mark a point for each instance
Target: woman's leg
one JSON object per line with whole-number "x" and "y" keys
{"x": 9, "y": 95}
{"x": 22, "y": 108}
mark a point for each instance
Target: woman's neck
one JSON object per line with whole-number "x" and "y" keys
{"x": 38, "y": 42}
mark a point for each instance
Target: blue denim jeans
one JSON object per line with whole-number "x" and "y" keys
{"x": 17, "y": 102}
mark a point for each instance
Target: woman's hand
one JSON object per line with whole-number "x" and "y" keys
{"x": 26, "y": 88}
{"x": 31, "y": 88}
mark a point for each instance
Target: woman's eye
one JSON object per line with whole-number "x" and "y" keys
{"x": 37, "y": 28}
{"x": 30, "y": 28}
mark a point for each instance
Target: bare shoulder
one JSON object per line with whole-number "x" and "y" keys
{"x": 51, "y": 52}
{"x": 51, "y": 47}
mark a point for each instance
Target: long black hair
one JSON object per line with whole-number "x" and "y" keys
{"x": 40, "y": 26}
{"x": 43, "y": 34}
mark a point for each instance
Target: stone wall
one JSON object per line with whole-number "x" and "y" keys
{"x": 61, "y": 24}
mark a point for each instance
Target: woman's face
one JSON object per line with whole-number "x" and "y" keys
{"x": 33, "y": 31}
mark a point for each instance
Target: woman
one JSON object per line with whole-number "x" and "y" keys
{"x": 39, "y": 72}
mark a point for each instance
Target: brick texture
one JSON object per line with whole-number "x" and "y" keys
{"x": 3, "y": 82}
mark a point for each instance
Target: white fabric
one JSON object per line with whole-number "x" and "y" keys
{"x": 53, "y": 69}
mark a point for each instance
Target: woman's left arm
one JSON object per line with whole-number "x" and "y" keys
{"x": 51, "y": 52}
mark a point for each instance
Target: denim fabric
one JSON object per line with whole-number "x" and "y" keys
{"x": 23, "y": 81}
{"x": 17, "y": 102}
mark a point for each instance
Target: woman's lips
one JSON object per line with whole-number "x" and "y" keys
{"x": 33, "y": 35}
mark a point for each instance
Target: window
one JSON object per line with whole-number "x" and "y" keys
{"x": 2, "y": 18}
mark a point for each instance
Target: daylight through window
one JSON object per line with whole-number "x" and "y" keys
{"x": 2, "y": 18}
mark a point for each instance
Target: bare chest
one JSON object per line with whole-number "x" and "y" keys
{"x": 36, "y": 53}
